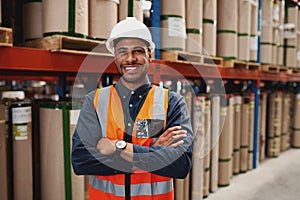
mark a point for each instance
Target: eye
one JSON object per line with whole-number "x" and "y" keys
{"x": 139, "y": 51}
{"x": 121, "y": 51}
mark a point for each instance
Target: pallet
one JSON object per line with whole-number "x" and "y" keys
{"x": 187, "y": 57}
{"x": 270, "y": 68}
{"x": 69, "y": 44}
{"x": 235, "y": 64}
{"x": 6, "y": 37}
{"x": 253, "y": 66}
{"x": 295, "y": 71}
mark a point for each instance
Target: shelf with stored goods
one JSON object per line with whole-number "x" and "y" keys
{"x": 20, "y": 61}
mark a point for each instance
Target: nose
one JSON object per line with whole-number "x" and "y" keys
{"x": 131, "y": 56}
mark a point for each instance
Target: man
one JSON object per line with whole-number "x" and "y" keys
{"x": 133, "y": 137}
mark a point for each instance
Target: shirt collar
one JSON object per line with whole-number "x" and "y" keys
{"x": 125, "y": 92}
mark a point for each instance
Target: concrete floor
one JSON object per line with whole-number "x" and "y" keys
{"x": 274, "y": 179}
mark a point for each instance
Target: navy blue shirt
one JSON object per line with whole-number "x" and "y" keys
{"x": 160, "y": 160}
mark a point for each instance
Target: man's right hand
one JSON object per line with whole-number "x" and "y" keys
{"x": 170, "y": 136}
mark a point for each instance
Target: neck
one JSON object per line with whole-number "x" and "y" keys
{"x": 133, "y": 85}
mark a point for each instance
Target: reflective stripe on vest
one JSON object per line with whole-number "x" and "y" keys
{"x": 143, "y": 184}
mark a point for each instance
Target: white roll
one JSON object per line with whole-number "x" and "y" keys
{"x": 32, "y": 20}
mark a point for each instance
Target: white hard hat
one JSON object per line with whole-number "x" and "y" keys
{"x": 129, "y": 28}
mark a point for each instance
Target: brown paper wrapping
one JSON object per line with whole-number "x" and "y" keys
{"x": 237, "y": 134}
{"x": 286, "y": 122}
{"x": 52, "y": 157}
{"x": 22, "y": 159}
{"x": 0, "y": 12}
{"x": 179, "y": 189}
{"x": 207, "y": 149}
{"x": 251, "y": 132}
{"x": 244, "y": 47}
{"x": 137, "y": 10}
{"x": 198, "y": 156}
{"x": 292, "y": 16}
{"x": 291, "y": 57}
{"x": 215, "y": 134}
{"x": 210, "y": 27}
{"x": 103, "y": 15}
{"x": 244, "y": 146}
{"x": 170, "y": 39}
{"x": 274, "y": 125}
{"x": 266, "y": 53}
{"x": 227, "y": 28}
{"x": 226, "y": 145}
{"x": 254, "y": 33}
{"x": 56, "y": 16}
{"x": 296, "y": 125}
{"x": 32, "y": 20}
{"x": 267, "y": 11}
{"x": 194, "y": 21}
{"x": 262, "y": 125}
{"x": 3, "y": 155}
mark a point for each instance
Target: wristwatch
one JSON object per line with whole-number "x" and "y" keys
{"x": 120, "y": 146}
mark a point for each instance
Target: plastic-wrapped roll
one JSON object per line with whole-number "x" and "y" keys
{"x": 244, "y": 146}
{"x": 262, "y": 125}
{"x": 194, "y": 20}
{"x": 131, "y": 8}
{"x": 274, "y": 125}
{"x": 173, "y": 32}
{"x": 20, "y": 144}
{"x": 291, "y": 37}
{"x": 99, "y": 10}
{"x": 237, "y": 133}
{"x": 58, "y": 180}
{"x": 210, "y": 27}
{"x": 227, "y": 28}
{"x": 244, "y": 30}
{"x": 67, "y": 17}
{"x": 32, "y": 19}
{"x": 254, "y": 34}
{"x": 226, "y": 139}
{"x": 3, "y": 155}
{"x": 286, "y": 122}
{"x": 296, "y": 125}
{"x": 207, "y": 149}
{"x": 198, "y": 164}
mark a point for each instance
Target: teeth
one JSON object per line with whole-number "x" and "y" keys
{"x": 130, "y": 68}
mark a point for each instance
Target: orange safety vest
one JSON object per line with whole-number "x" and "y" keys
{"x": 143, "y": 185}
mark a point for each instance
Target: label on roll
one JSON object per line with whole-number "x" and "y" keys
{"x": 176, "y": 27}
{"x": 20, "y": 117}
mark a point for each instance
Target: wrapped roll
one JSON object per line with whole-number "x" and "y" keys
{"x": 210, "y": 27}
{"x": 251, "y": 131}
{"x": 173, "y": 24}
{"x": 296, "y": 125}
{"x": 244, "y": 145}
{"x": 207, "y": 149}
{"x": 244, "y": 30}
{"x": 58, "y": 180}
{"x": 254, "y": 34}
{"x": 286, "y": 122}
{"x": 32, "y": 20}
{"x": 237, "y": 133}
{"x": 194, "y": 20}
{"x": 262, "y": 125}
{"x": 99, "y": 10}
{"x": 66, "y": 17}
{"x": 3, "y": 155}
{"x": 131, "y": 8}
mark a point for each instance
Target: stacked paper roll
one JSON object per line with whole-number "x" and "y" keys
{"x": 276, "y": 35}
{"x": 227, "y": 28}
{"x": 274, "y": 125}
{"x": 286, "y": 121}
{"x": 0, "y": 12}
{"x": 298, "y": 41}
{"x": 226, "y": 142}
{"x": 130, "y": 8}
{"x": 215, "y": 135}
{"x": 291, "y": 37}
{"x": 267, "y": 32}
{"x": 296, "y": 125}
{"x": 173, "y": 32}
{"x": 237, "y": 133}
{"x": 251, "y": 131}
{"x": 198, "y": 156}
{"x": 3, "y": 155}
{"x": 210, "y": 27}
{"x": 254, "y": 33}
{"x": 262, "y": 125}
{"x": 280, "y": 49}
{"x": 58, "y": 180}
{"x": 32, "y": 20}
{"x": 99, "y": 10}
{"x": 65, "y": 17}
{"x": 194, "y": 20}
{"x": 244, "y": 29}
{"x": 207, "y": 147}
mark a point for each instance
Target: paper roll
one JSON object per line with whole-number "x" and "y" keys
{"x": 237, "y": 133}
{"x": 61, "y": 17}
{"x": 207, "y": 147}
{"x": 99, "y": 10}
{"x": 32, "y": 20}
{"x": 210, "y": 27}
{"x": 262, "y": 125}
{"x": 3, "y": 155}
{"x": 227, "y": 44}
{"x": 286, "y": 121}
{"x": 58, "y": 180}
{"x": 296, "y": 118}
{"x": 135, "y": 11}
{"x": 266, "y": 53}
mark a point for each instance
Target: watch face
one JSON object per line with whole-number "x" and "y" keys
{"x": 120, "y": 144}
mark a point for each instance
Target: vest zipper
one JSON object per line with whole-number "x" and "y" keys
{"x": 127, "y": 186}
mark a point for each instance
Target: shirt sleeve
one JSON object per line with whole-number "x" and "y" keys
{"x": 167, "y": 161}
{"x": 86, "y": 159}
